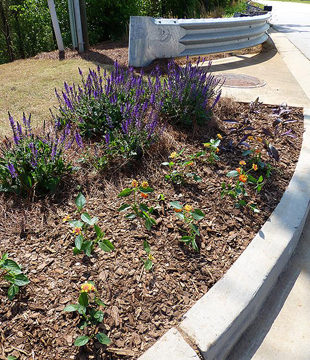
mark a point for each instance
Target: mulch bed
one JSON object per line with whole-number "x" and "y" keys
{"x": 141, "y": 305}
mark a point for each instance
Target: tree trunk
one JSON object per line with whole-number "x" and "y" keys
{"x": 20, "y": 37}
{"x": 6, "y": 31}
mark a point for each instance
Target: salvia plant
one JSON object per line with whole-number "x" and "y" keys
{"x": 188, "y": 94}
{"x": 87, "y": 233}
{"x": 148, "y": 262}
{"x": 180, "y": 169}
{"x": 91, "y": 316}
{"x": 238, "y": 190}
{"x": 32, "y": 163}
{"x": 12, "y": 272}
{"x": 190, "y": 217}
{"x": 138, "y": 208}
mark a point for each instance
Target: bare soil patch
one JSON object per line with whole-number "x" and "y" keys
{"x": 141, "y": 305}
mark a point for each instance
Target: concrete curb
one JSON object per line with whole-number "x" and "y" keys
{"x": 219, "y": 318}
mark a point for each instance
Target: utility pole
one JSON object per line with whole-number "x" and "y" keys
{"x": 56, "y": 27}
{"x": 84, "y": 24}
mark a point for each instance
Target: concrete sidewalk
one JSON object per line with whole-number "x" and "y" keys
{"x": 286, "y": 73}
{"x": 281, "y": 330}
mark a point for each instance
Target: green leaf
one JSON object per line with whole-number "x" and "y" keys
{"x": 148, "y": 223}
{"x": 21, "y": 280}
{"x": 143, "y": 207}
{"x": 251, "y": 179}
{"x": 4, "y": 256}
{"x": 197, "y": 178}
{"x": 124, "y": 207}
{"x": 10, "y": 357}
{"x": 87, "y": 247}
{"x": 88, "y": 220}
{"x": 247, "y": 152}
{"x": 180, "y": 216}
{"x": 148, "y": 264}
{"x": 80, "y": 201}
{"x": 106, "y": 245}
{"x": 194, "y": 245}
{"x": 146, "y": 247}
{"x": 76, "y": 251}
{"x": 165, "y": 163}
{"x": 98, "y": 231}
{"x": 103, "y": 339}
{"x": 99, "y": 315}
{"x": 99, "y": 302}
{"x": 186, "y": 239}
{"x": 197, "y": 214}
{"x": 79, "y": 242}
{"x": 82, "y": 324}
{"x": 12, "y": 291}
{"x": 11, "y": 265}
{"x": 76, "y": 223}
{"x": 125, "y": 192}
{"x": 147, "y": 190}
{"x": 195, "y": 228}
{"x": 81, "y": 340}
{"x": 232, "y": 173}
{"x": 176, "y": 204}
{"x": 83, "y": 299}
{"x": 71, "y": 308}
{"x": 130, "y": 216}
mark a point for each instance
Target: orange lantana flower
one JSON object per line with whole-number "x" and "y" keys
{"x": 177, "y": 210}
{"x": 219, "y": 136}
{"x": 238, "y": 170}
{"x": 77, "y": 230}
{"x": 145, "y": 196}
{"x": 242, "y": 162}
{"x": 243, "y": 178}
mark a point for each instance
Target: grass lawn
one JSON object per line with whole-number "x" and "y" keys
{"x": 28, "y": 86}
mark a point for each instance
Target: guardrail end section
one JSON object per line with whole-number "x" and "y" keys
{"x": 148, "y": 41}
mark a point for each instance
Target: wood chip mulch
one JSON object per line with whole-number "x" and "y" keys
{"x": 141, "y": 305}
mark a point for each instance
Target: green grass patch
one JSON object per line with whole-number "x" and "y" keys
{"x": 28, "y": 86}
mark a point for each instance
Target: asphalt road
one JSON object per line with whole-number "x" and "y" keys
{"x": 293, "y": 19}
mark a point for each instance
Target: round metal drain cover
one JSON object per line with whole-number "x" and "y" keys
{"x": 240, "y": 81}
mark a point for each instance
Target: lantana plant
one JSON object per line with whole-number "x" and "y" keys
{"x": 238, "y": 190}
{"x": 180, "y": 169}
{"x": 138, "y": 207}
{"x": 148, "y": 262}
{"x": 87, "y": 232}
{"x": 91, "y": 316}
{"x": 13, "y": 274}
{"x": 190, "y": 217}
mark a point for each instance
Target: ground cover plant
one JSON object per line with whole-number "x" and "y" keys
{"x": 178, "y": 238}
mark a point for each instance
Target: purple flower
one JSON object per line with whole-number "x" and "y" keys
{"x": 12, "y": 170}
{"x": 78, "y": 139}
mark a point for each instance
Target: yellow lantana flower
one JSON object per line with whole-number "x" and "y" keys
{"x": 87, "y": 288}
{"x": 145, "y": 184}
{"x": 220, "y": 136}
{"x": 188, "y": 208}
{"x": 134, "y": 183}
{"x": 173, "y": 155}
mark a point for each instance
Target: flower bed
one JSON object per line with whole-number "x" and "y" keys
{"x": 148, "y": 217}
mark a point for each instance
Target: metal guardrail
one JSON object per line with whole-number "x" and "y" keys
{"x": 151, "y": 39}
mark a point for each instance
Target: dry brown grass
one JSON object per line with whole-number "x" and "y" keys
{"x": 28, "y": 86}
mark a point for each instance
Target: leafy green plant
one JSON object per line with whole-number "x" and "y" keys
{"x": 190, "y": 217}
{"x": 148, "y": 262}
{"x": 139, "y": 208}
{"x": 238, "y": 190}
{"x": 13, "y": 274}
{"x": 87, "y": 232}
{"x": 254, "y": 157}
{"x": 212, "y": 149}
{"x": 179, "y": 170}
{"x": 91, "y": 316}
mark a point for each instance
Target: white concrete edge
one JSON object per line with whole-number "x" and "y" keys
{"x": 217, "y": 321}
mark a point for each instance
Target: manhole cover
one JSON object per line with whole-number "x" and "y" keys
{"x": 240, "y": 81}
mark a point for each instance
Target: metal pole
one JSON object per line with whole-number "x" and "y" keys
{"x": 56, "y": 27}
{"x": 78, "y": 25}
{"x": 72, "y": 24}
{"x": 84, "y": 24}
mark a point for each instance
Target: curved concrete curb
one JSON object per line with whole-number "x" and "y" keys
{"x": 218, "y": 319}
